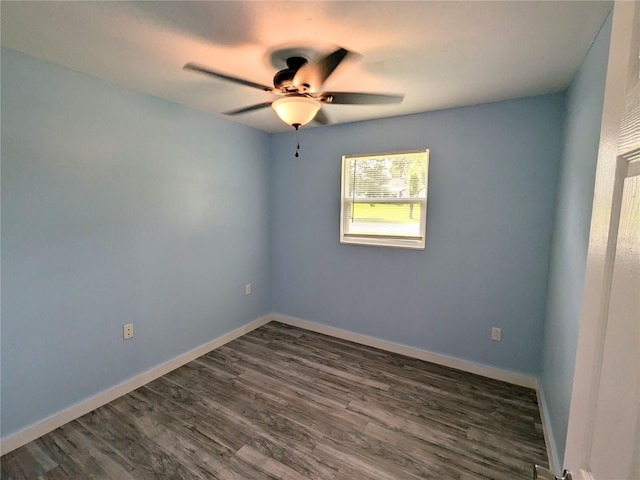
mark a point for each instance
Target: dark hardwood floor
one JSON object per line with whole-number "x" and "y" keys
{"x": 285, "y": 403}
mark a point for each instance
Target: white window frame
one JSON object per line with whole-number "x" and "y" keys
{"x": 381, "y": 240}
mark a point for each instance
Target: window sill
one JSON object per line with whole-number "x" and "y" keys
{"x": 411, "y": 243}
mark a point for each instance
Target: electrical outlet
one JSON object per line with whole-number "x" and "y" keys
{"x": 496, "y": 334}
{"x": 247, "y": 289}
{"x": 127, "y": 331}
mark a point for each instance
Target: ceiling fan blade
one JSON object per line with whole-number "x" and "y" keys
{"x": 321, "y": 118}
{"x": 311, "y": 76}
{"x": 356, "y": 98}
{"x": 251, "y": 108}
{"x": 207, "y": 71}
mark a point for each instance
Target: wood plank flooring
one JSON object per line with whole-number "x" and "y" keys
{"x": 285, "y": 403}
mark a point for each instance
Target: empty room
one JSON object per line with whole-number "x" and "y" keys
{"x": 333, "y": 240}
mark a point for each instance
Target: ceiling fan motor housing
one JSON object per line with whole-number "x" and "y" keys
{"x": 283, "y": 80}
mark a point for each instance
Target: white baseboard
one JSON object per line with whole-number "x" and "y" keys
{"x": 32, "y": 432}
{"x": 459, "y": 364}
{"x": 549, "y": 439}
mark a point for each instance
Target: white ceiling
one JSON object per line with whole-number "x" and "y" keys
{"x": 439, "y": 54}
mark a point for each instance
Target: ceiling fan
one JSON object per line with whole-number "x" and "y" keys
{"x": 300, "y": 86}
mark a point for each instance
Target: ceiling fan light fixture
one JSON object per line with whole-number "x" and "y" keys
{"x": 296, "y": 111}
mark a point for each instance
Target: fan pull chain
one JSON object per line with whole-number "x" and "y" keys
{"x": 297, "y": 139}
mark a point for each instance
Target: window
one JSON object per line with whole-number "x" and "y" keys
{"x": 384, "y": 199}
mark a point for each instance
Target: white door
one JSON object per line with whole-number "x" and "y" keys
{"x": 603, "y": 440}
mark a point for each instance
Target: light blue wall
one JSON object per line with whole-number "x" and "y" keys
{"x": 118, "y": 207}
{"x": 571, "y": 234}
{"x": 492, "y": 184}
